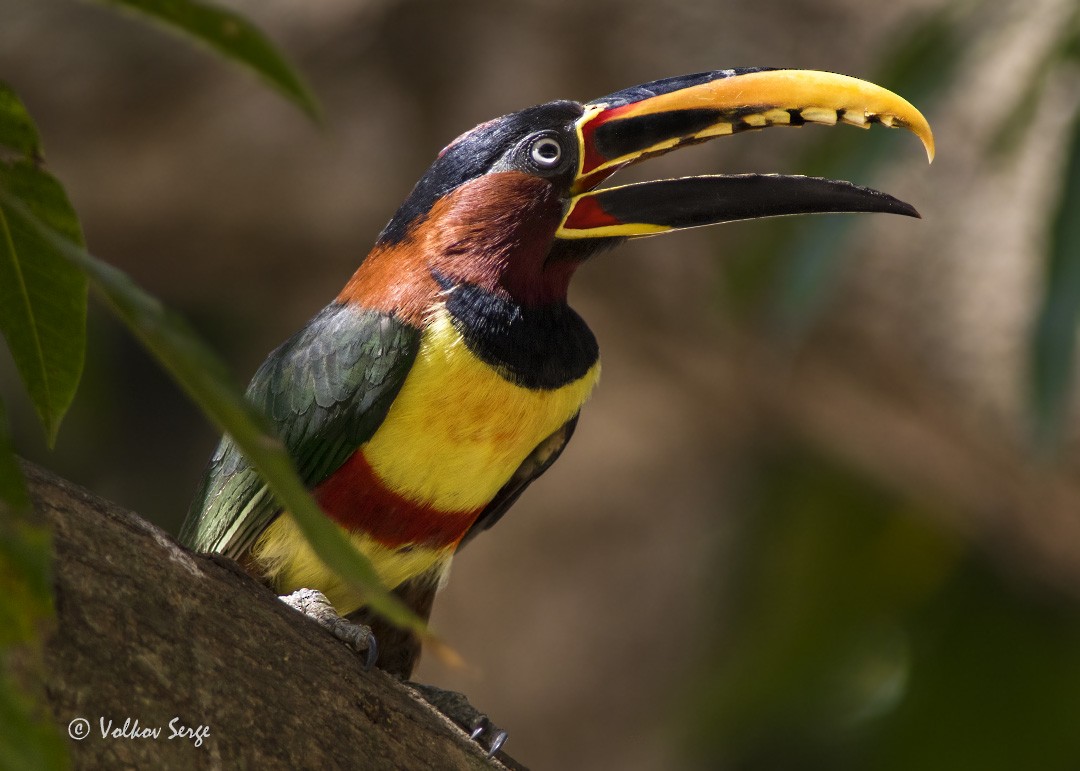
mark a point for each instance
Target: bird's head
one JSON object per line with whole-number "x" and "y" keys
{"x": 514, "y": 205}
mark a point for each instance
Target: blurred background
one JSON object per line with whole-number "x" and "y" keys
{"x": 823, "y": 511}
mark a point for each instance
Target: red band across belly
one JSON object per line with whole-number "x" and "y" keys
{"x": 355, "y": 498}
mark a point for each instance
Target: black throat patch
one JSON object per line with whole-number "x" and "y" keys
{"x": 542, "y": 348}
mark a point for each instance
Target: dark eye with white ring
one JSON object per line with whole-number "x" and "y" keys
{"x": 546, "y": 152}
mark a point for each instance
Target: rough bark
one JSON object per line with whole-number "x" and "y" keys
{"x": 150, "y": 632}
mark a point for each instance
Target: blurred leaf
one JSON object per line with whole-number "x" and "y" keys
{"x": 17, "y": 131}
{"x": 25, "y": 553}
{"x": 29, "y": 738}
{"x": 42, "y": 295}
{"x": 43, "y": 318}
{"x": 995, "y": 680}
{"x": 25, "y": 580}
{"x": 1063, "y": 49}
{"x": 1071, "y": 48}
{"x": 818, "y": 645}
{"x": 1054, "y": 345}
{"x": 1012, "y": 131}
{"x": 205, "y": 378}
{"x": 865, "y": 637}
{"x": 232, "y": 36}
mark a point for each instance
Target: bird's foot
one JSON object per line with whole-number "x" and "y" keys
{"x": 313, "y": 604}
{"x": 456, "y": 707}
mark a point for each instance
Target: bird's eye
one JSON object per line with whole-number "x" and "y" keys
{"x": 546, "y": 152}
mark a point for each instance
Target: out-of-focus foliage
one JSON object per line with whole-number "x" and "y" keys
{"x": 43, "y": 319}
{"x": 1054, "y": 336}
{"x": 28, "y": 740}
{"x": 42, "y": 295}
{"x": 865, "y": 636}
{"x": 1053, "y": 349}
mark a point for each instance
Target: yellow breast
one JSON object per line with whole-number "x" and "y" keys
{"x": 453, "y": 437}
{"x": 458, "y": 430}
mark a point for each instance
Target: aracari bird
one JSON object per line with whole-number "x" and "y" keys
{"x": 448, "y": 373}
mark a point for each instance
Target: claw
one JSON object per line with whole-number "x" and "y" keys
{"x": 497, "y": 743}
{"x": 456, "y": 707}
{"x": 313, "y": 604}
{"x": 372, "y": 651}
{"x": 482, "y": 723}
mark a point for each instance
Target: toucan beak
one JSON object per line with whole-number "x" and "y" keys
{"x": 655, "y": 118}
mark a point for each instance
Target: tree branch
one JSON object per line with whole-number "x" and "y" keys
{"x": 150, "y": 632}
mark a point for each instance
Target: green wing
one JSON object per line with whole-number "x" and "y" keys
{"x": 326, "y": 390}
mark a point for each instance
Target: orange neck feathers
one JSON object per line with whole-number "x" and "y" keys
{"x": 494, "y": 232}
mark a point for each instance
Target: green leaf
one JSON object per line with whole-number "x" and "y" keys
{"x": 42, "y": 295}
{"x": 1053, "y": 346}
{"x": 205, "y": 378}
{"x": 232, "y": 36}
{"x": 25, "y": 581}
{"x": 18, "y": 133}
{"x": 29, "y": 739}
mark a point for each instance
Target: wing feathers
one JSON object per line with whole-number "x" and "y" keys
{"x": 325, "y": 390}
